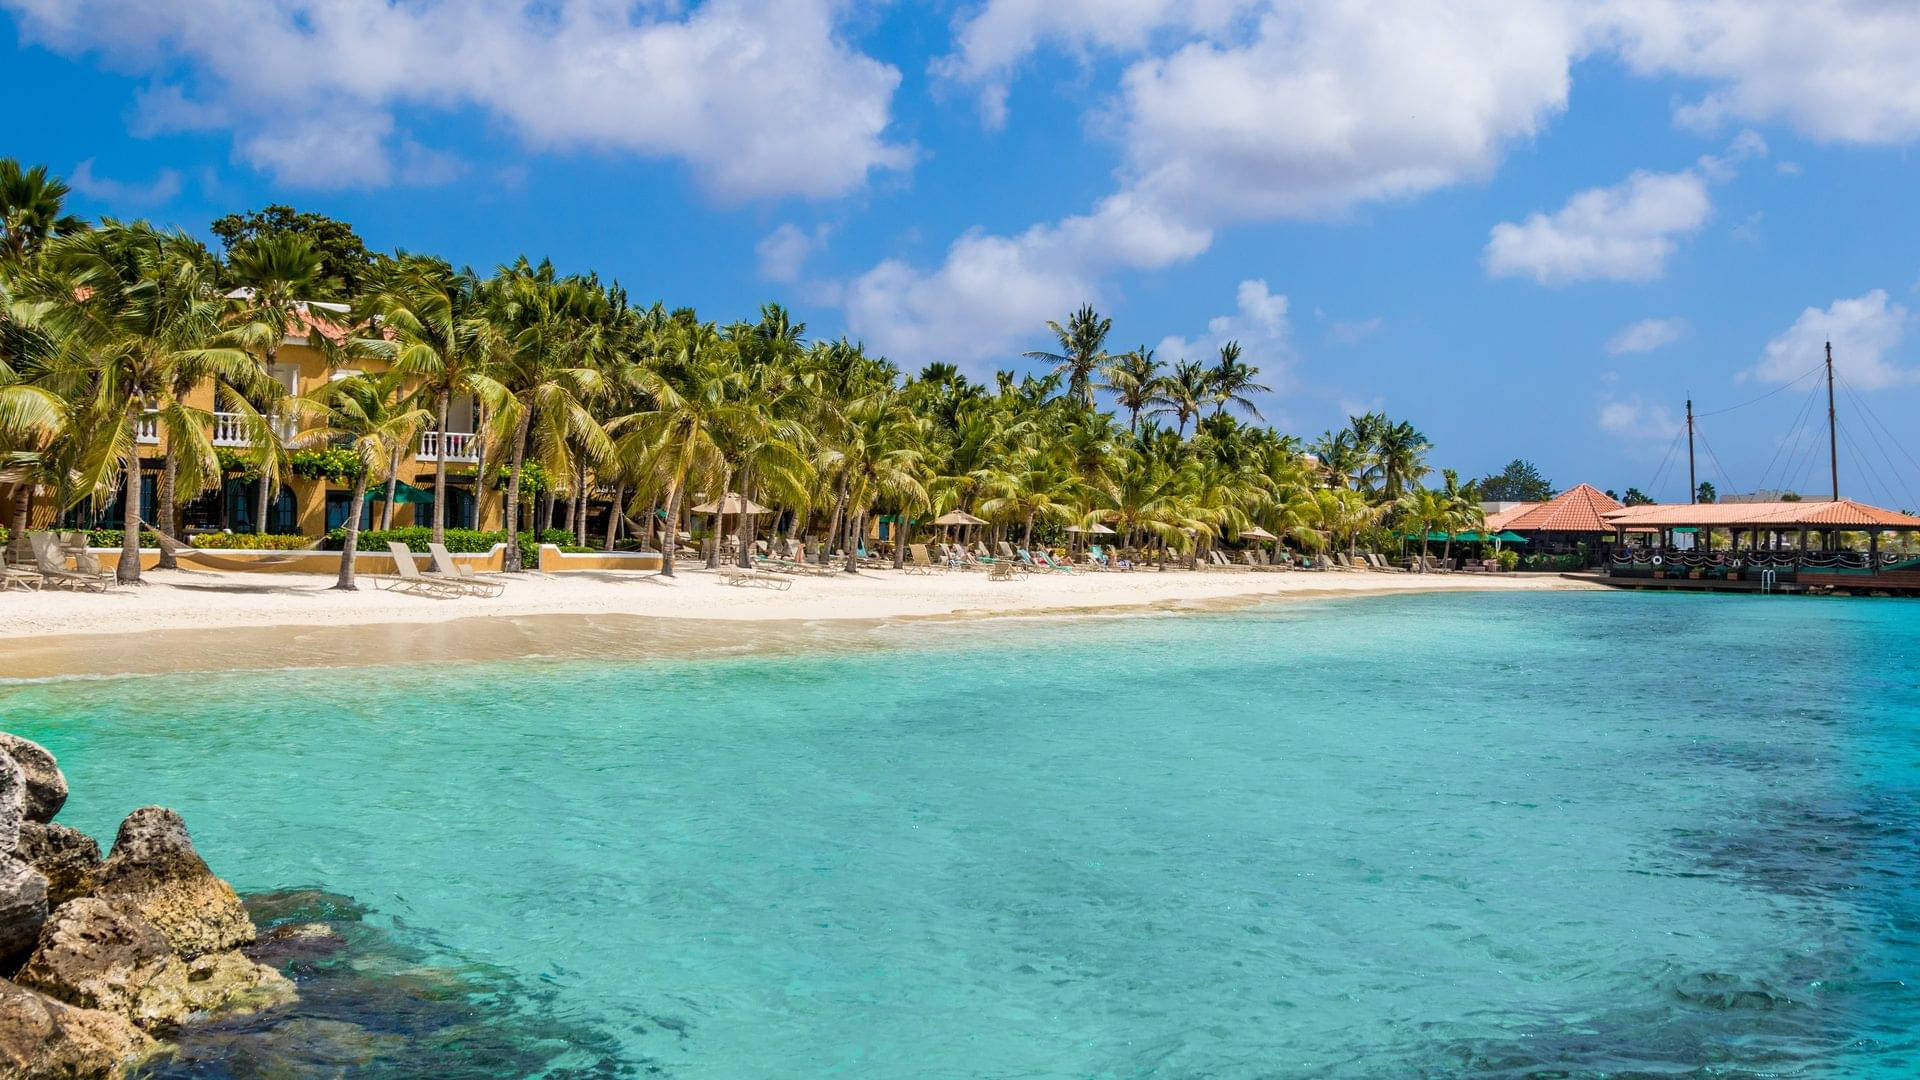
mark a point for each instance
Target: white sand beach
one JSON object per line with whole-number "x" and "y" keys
{"x": 193, "y": 599}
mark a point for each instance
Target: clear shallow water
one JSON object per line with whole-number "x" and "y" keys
{"x": 1503, "y": 835}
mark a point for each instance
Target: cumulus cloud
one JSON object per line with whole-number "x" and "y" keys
{"x": 1259, "y": 322}
{"x": 1863, "y": 331}
{"x": 1637, "y": 421}
{"x": 785, "y": 250}
{"x": 162, "y": 188}
{"x": 758, "y": 97}
{"x": 1647, "y": 335}
{"x": 1626, "y": 232}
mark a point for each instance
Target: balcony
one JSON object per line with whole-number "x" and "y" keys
{"x": 148, "y": 430}
{"x": 228, "y": 430}
{"x": 460, "y": 446}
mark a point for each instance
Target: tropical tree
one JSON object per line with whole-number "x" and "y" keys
{"x": 1423, "y": 511}
{"x": 372, "y": 417}
{"x": 1134, "y": 379}
{"x": 1183, "y": 394}
{"x": 1083, "y": 351}
{"x": 276, "y": 274}
{"x": 31, "y": 211}
{"x": 1231, "y": 380}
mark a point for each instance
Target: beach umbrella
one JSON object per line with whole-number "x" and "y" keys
{"x": 403, "y": 492}
{"x": 958, "y": 517}
{"x": 1257, "y": 533}
{"x": 733, "y": 503}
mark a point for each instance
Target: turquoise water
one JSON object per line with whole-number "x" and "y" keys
{"x": 1489, "y": 835}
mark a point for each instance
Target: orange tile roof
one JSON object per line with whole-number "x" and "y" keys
{"x": 1577, "y": 509}
{"x": 1845, "y": 514}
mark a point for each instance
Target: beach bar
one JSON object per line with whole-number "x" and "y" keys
{"x": 1840, "y": 545}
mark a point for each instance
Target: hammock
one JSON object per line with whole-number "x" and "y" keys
{"x": 182, "y": 550}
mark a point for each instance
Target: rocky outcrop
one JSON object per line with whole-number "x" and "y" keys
{"x": 154, "y": 871}
{"x": 66, "y": 856}
{"x": 46, "y": 784}
{"x": 98, "y": 956}
{"x": 50, "y": 1040}
{"x": 143, "y": 942}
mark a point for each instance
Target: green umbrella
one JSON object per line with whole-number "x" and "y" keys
{"x": 403, "y": 492}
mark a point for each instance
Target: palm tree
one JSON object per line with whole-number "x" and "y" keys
{"x": 880, "y": 461}
{"x": 132, "y": 305}
{"x": 1083, "y": 344}
{"x": 276, "y": 274}
{"x": 371, "y": 416}
{"x": 677, "y": 441}
{"x": 1184, "y": 394}
{"x": 30, "y": 215}
{"x": 1037, "y": 488}
{"x": 1423, "y": 511}
{"x": 31, "y": 211}
{"x": 436, "y": 331}
{"x": 1231, "y": 381}
{"x": 1134, "y": 379}
{"x": 1400, "y": 453}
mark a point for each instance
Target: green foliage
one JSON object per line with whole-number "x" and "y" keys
{"x": 458, "y": 541}
{"x": 1636, "y": 497}
{"x": 1550, "y": 562}
{"x": 345, "y": 262}
{"x": 336, "y": 464}
{"x": 533, "y": 478}
{"x": 1520, "y": 481}
{"x": 234, "y": 464}
{"x": 1508, "y": 558}
{"x": 113, "y": 538}
{"x": 1707, "y": 493}
{"x": 252, "y": 541}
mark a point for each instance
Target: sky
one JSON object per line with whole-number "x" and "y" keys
{"x": 1534, "y": 229}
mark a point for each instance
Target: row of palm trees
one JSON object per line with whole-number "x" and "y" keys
{"x": 107, "y": 328}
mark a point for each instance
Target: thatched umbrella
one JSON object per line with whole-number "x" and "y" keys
{"x": 731, "y": 503}
{"x": 958, "y": 517}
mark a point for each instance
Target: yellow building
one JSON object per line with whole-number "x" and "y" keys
{"x": 307, "y": 505}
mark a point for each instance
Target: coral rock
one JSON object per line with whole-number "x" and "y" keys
{"x": 154, "y": 871}
{"x": 43, "y": 1038}
{"x": 65, "y": 855}
{"x": 46, "y": 784}
{"x": 23, "y": 906}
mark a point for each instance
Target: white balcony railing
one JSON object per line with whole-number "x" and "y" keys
{"x": 459, "y": 446}
{"x": 228, "y": 431}
{"x": 149, "y": 429}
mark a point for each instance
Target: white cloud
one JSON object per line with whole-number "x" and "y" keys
{"x": 1647, "y": 335}
{"x": 785, "y": 251}
{"x": 758, "y": 97}
{"x": 1621, "y": 233}
{"x": 162, "y": 188}
{"x": 1259, "y": 322}
{"x": 1835, "y": 70}
{"x": 1637, "y": 421}
{"x": 1862, "y": 329}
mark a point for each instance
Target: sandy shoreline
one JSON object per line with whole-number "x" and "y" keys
{"x": 195, "y": 620}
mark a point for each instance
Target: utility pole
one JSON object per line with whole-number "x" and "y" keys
{"x": 1833, "y": 432}
{"x": 1693, "y": 483}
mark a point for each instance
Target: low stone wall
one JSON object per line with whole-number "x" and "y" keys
{"x": 313, "y": 562}
{"x": 555, "y": 561}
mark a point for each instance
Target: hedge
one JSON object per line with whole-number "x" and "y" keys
{"x": 252, "y": 541}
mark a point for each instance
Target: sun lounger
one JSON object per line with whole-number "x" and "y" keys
{"x": 1053, "y": 564}
{"x": 755, "y": 578}
{"x": 918, "y": 561}
{"x": 1003, "y": 570}
{"x": 19, "y": 577}
{"x": 51, "y": 562}
{"x": 407, "y": 577}
{"x": 444, "y": 565}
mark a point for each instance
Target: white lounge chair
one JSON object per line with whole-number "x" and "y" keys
{"x": 444, "y": 565}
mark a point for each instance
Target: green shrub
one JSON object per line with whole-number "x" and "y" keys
{"x": 458, "y": 541}
{"x": 337, "y": 464}
{"x": 533, "y": 478}
{"x": 1509, "y": 558}
{"x": 112, "y": 538}
{"x": 252, "y": 541}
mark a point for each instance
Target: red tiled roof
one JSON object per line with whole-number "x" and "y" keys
{"x": 1578, "y": 509}
{"x": 1845, "y": 514}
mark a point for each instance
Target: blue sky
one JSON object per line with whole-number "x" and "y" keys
{"x": 1533, "y": 229}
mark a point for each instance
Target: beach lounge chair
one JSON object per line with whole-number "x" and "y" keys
{"x": 51, "y": 562}
{"x": 918, "y": 561}
{"x": 755, "y": 578}
{"x": 407, "y": 577}
{"x": 1003, "y": 570}
{"x": 19, "y": 577}
{"x": 1054, "y": 564}
{"x": 444, "y": 565}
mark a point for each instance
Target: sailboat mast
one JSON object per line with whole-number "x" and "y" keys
{"x": 1833, "y": 432}
{"x": 1693, "y": 482}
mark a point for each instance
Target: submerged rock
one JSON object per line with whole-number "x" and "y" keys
{"x": 23, "y": 906}
{"x": 98, "y": 956}
{"x": 65, "y": 855}
{"x": 46, "y": 784}
{"x": 44, "y": 1038}
{"x": 155, "y": 871}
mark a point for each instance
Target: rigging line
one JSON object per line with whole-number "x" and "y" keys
{"x": 1804, "y": 471}
{"x": 1715, "y": 458}
{"x": 1755, "y": 401}
{"x": 1861, "y": 401}
{"x": 1792, "y": 438}
{"x": 1870, "y": 481}
{"x": 1661, "y": 471}
{"x": 1881, "y": 445}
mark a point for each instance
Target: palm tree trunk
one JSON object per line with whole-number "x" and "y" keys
{"x": 441, "y": 404}
{"x": 17, "y": 548}
{"x": 355, "y": 508}
{"x": 393, "y": 488}
{"x": 614, "y": 513}
{"x": 900, "y": 540}
{"x": 856, "y": 528}
{"x": 127, "y": 572}
{"x": 165, "y": 512}
{"x": 743, "y": 529}
{"x": 544, "y": 520}
{"x": 839, "y": 507}
{"x": 672, "y": 540}
{"x": 1026, "y": 538}
{"x": 580, "y": 509}
{"x": 479, "y": 466}
{"x": 511, "y": 561}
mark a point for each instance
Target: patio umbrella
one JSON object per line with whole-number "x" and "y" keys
{"x": 403, "y": 492}
{"x": 733, "y": 503}
{"x": 1257, "y": 533}
{"x": 958, "y": 517}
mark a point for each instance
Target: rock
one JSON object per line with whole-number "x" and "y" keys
{"x": 65, "y": 855}
{"x": 296, "y": 944}
{"x": 96, "y": 955}
{"x": 48, "y": 1040}
{"x": 13, "y": 803}
{"x": 46, "y": 784}
{"x": 23, "y": 906}
{"x": 154, "y": 870}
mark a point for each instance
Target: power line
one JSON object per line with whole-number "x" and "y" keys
{"x": 1873, "y": 420}
{"x": 1755, "y": 401}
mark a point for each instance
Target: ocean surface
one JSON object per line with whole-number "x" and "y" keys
{"x": 1507, "y": 835}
